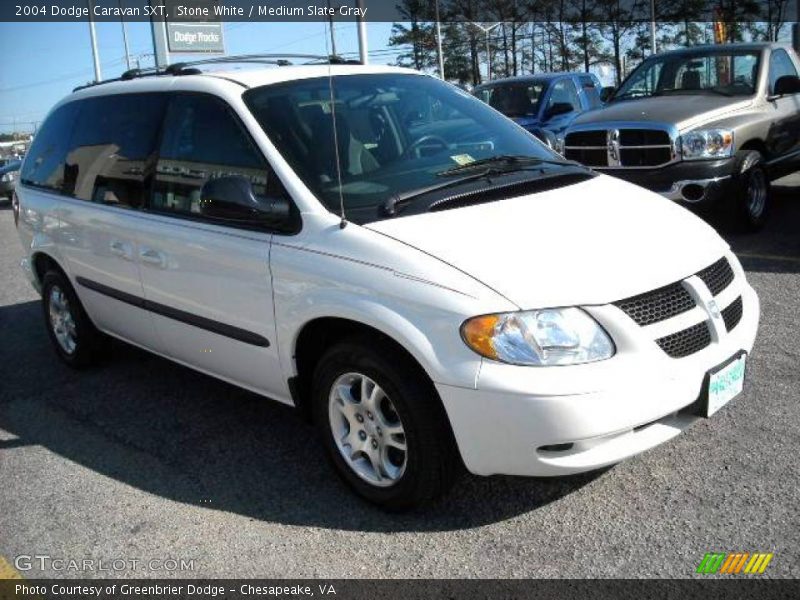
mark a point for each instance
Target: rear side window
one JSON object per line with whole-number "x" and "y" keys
{"x": 112, "y": 155}
{"x": 591, "y": 91}
{"x": 44, "y": 164}
{"x": 203, "y": 140}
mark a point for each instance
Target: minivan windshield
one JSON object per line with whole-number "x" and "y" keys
{"x": 396, "y": 133}
{"x": 722, "y": 72}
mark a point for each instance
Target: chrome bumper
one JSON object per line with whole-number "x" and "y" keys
{"x": 681, "y": 191}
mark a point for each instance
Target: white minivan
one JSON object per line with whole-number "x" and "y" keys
{"x": 416, "y": 273}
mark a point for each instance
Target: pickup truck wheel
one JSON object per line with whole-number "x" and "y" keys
{"x": 382, "y": 425}
{"x": 753, "y": 191}
{"x": 76, "y": 340}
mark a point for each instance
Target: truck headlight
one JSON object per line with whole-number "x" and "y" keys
{"x": 553, "y": 336}
{"x": 707, "y": 143}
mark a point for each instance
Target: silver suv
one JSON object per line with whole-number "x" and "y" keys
{"x": 708, "y": 126}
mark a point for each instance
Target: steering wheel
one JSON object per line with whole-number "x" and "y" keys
{"x": 423, "y": 140}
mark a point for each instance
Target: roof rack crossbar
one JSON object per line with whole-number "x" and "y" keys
{"x": 189, "y": 67}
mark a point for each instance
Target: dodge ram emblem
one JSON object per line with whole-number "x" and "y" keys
{"x": 612, "y": 147}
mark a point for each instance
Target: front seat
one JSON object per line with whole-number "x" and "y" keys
{"x": 690, "y": 80}
{"x": 355, "y": 159}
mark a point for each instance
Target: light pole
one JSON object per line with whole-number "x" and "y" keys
{"x": 486, "y": 31}
{"x": 98, "y": 76}
{"x": 439, "y": 42}
{"x": 363, "y": 55}
{"x": 653, "y": 26}
{"x": 125, "y": 38}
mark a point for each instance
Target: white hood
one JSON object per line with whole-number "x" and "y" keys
{"x": 590, "y": 243}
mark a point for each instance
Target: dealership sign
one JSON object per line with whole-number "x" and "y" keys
{"x": 195, "y": 37}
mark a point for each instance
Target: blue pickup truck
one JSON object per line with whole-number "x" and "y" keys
{"x": 546, "y": 103}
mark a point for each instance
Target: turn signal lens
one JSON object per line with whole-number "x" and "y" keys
{"x": 478, "y": 334}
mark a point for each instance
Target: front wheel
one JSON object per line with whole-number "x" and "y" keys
{"x": 383, "y": 425}
{"x": 752, "y": 191}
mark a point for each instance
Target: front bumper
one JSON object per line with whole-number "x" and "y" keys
{"x": 592, "y": 415}
{"x": 700, "y": 182}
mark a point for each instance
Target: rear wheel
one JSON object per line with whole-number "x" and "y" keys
{"x": 75, "y": 339}
{"x": 383, "y": 425}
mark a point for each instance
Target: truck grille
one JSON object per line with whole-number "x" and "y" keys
{"x": 620, "y": 148}
{"x": 674, "y": 299}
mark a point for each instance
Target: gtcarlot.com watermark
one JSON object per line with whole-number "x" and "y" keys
{"x": 60, "y": 564}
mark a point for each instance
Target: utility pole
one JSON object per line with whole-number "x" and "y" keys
{"x": 98, "y": 76}
{"x": 125, "y": 38}
{"x": 363, "y": 54}
{"x": 439, "y": 42}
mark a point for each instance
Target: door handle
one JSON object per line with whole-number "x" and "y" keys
{"x": 121, "y": 249}
{"x": 150, "y": 256}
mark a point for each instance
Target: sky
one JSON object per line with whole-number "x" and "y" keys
{"x": 43, "y": 62}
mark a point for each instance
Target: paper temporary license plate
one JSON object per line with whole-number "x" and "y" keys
{"x": 725, "y": 383}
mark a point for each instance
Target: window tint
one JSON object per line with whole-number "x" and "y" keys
{"x": 44, "y": 164}
{"x": 564, "y": 92}
{"x": 203, "y": 140}
{"x": 779, "y": 65}
{"x": 112, "y": 154}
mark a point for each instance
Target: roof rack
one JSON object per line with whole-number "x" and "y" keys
{"x": 191, "y": 67}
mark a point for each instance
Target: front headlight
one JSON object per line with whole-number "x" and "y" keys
{"x": 553, "y": 336}
{"x": 707, "y": 143}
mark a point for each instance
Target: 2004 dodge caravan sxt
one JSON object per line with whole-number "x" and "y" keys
{"x": 408, "y": 267}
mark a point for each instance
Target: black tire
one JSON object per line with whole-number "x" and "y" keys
{"x": 90, "y": 345}
{"x": 432, "y": 462}
{"x": 752, "y": 197}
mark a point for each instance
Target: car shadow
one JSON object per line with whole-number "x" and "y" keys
{"x": 776, "y": 248}
{"x": 181, "y": 435}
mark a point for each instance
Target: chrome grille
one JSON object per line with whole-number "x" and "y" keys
{"x": 687, "y": 342}
{"x": 620, "y": 147}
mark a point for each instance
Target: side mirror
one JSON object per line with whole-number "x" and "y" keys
{"x": 558, "y": 108}
{"x": 232, "y": 198}
{"x": 787, "y": 85}
{"x": 607, "y": 92}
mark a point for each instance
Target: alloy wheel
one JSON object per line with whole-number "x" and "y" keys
{"x": 61, "y": 320}
{"x": 367, "y": 429}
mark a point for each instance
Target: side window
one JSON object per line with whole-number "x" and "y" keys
{"x": 44, "y": 164}
{"x": 591, "y": 90}
{"x": 779, "y": 65}
{"x": 564, "y": 92}
{"x": 203, "y": 140}
{"x": 112, "y": 155}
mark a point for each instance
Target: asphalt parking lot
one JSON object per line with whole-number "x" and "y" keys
{"x": 143, "y": 459}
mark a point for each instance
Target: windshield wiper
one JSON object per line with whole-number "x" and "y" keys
{"x": 394, "y": 202}
{"x": 504, "y": 163}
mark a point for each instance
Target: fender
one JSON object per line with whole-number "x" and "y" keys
{"x": 445, "y": 358}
